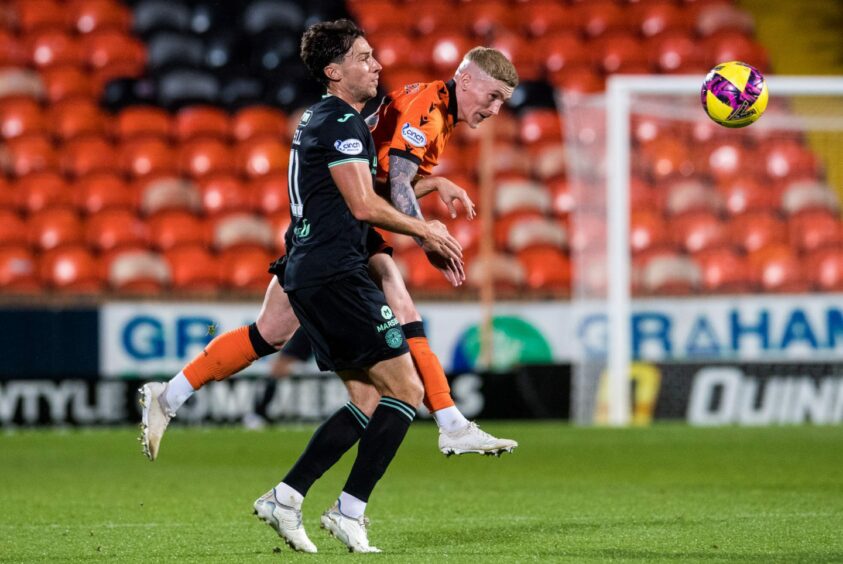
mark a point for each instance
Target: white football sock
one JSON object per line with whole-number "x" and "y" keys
{"x": 350, "y": 506}
{"x": 450, "y": 419}
{"x": 179, "y": 390}
{"x": 288, "y": 496}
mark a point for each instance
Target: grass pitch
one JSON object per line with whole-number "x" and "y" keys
{"x": 664, "y": 494}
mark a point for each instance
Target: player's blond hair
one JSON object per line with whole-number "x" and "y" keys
{"x": 494, "y": 63}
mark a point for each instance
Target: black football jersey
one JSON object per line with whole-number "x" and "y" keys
{"x": 325, "y": 241}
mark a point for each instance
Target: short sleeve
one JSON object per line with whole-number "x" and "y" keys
{"x": 345, "y": 138}
{"x": 417, "y": 128}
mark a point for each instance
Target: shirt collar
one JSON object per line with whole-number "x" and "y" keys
{"x": 451, "y": 85}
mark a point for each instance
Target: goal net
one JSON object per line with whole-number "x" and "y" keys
{"x": 686, "y": 235}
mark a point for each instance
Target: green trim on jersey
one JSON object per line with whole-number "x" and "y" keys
{"x": 343, "y": 161}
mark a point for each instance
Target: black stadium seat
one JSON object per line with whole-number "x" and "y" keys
{"x": 169, "y": 49}
{"x": 241, "y": 90}
{"x": 181, "y": 87}
{"x": 263, "y": 15}
{"x": 151, "y": 16}
{"x": 122, "y": 92}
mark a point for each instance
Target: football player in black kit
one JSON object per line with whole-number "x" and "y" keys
{"x": 351, "y": 328}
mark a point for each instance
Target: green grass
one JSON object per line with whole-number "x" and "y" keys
{"x": 664, "y": 494}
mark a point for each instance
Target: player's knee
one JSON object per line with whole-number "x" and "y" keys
{"x": 412, "y": 391}
{"x": 275, "y": 335}
{"x": 366, "y": 398}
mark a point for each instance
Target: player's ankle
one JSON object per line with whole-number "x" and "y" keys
{"x": 450, "y": 419}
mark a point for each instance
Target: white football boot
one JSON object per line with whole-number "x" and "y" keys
{"x": 352, "y": 532}
{"x": 285, "y": 520}
{"x": 155, "y": 416}
{"x": 473, "y": 439}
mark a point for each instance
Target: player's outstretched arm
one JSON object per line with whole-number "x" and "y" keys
{"x": 449, "y": 192}
{"x": 354, "y": 181}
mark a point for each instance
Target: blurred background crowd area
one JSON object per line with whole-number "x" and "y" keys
{"x": 144, "y": 144}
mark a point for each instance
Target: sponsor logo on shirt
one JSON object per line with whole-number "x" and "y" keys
{"x": 349, "y": 146}
{"x": 413, "y": 135}
{"x": 386, "y": 312}
{"x": 344, "y": 118}
{"x": 305, "y": 117}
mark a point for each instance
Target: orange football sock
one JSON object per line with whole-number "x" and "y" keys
{"x": 437, "y": 392}
{"x": 226, "y": 355}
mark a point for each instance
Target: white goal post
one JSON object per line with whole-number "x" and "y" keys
{"x": 620, "y": 92}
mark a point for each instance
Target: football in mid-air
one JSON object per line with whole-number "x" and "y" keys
{"x": 734, "y": 94}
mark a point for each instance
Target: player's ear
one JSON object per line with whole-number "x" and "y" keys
{"x": 333, "y": 72}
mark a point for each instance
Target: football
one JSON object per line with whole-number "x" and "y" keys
{"x": 734, "y": 94}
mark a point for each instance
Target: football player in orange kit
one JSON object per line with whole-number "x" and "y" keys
{"x": 410, "y": 129}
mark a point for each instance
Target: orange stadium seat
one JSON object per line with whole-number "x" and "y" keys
{"x": 116, "y": 229}
{"x": 486, "y": 18}
{"x": 648, "y": 232}
{"x": 778, "y": 269}
{"x": 655, "y": 18}
{"x": 63, "y": 82}
{"x": 145, "y": 156}
{"x": 436, "y": 17}
{"x": 176, "y": 229}
{"x": 549, "y": 161}
{"x": 444, "y": 51}
{"x": 254, "y": 121}
{"x": 224, "y": 194}
{"x": 164, "y": 194}
{"x": 203, "y": 156}
{"x": 71, "y": 269}
{"x": 21, "y": 116}
{"x": 545, "y": 17}
{"x": 142, "y": 121}
{"x": 547, "y": 269}
{"x": 262, "y": 155}
{"x": 380, "y": 15}
{"x": 698, "y": 231}
{"x": 597, "y": 18}
{"x": 54, "y": 228}
{"x": 18, "y": 270}
{"x": 12, "y": 52}
{"x": 669, "y": 274}
{"x": 105, "y": 48}
{"x": 13, "y": 231}
{"x": 245, "y": 269}
{"x": 42, "y": 190}
{"x": 201, "y": 121}
{"x": 466, "y": 231}
{"x": 88, "y": 16}
{"x": 507, "y": 273}
{"x": 720, "y": 17}
{"x": 752, "y": 231}
{"x": 785, "y": 158}
{"x": 393, "y": 48}
{"x": 561, "y": 198}
{"x": 50, "y": 47}
{"x": 724, "y": 271}
{"x": 119, "y": 69}
{"x": 100, "y": 191}
{"x": 687, "y": 196}
{"x": 193, "y": 269}
{"x": 619, "y": 51}
{"x": 137, "y": 272}
{"x": 587, "y": 232}
{"x": 812, "y": 230}
{"x": 725, "y": 159}
{"x": 564, "y": 51}
{"x": 279, "y": 222}
{"x": 734, "y": 46}
{"x": 8, "y": 196}
{"x": 742, "y": 194}
{"x": 86, "y": 155}
{"x": 807, "y": 196}
{"x": 540, "y": 125}
{"x": 664, "y": 159}
{"x": 28, "y": 154}
{"x": 672, "y": 51}
{"x": 242, "y": 231}
{"x": 577, "y": 80}
{"x": 521, "y": 52}
{"x": 77, "y": 117}
{"x": 20, "y": 82}
{"x": 37, "y": 15}
{"x": 270, "y": 194}
{"x": 421, "y": 275}
{"x": 825, "y": 269}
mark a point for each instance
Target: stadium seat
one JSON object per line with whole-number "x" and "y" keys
{"x": 724, "y": 271}
{"x": 615, "y": 52}
{"x": 224, "y": 194}
{"x": 812, "y": 230}
{"x": 665, "y": 159}
{"x": 669, "y": 274}
{"x": 170, "y": 230}
{"x": 100, "y": 191}
{"x": 123, "y": 69}
{"x": 37, "y": 15}
{"x": 655, "y": 18}
{"x": 144, "y": 156}
{"x": 517, "y": 196}
{"x": 742, "y": 194}
{"x": 262, "y": 155}
{"x": 77, "y": 117}
{"x": 201, "y": 121}
{"x": 720, "y": 17}
{"x": 380, "y": 15}
{"x": 561, "y": 197}
{"x": 752, "y": 231}
{"x": 28, "y": 154}
{"x": 273, "y": 16}
{"x": 778, "y": 269}
{"x": 63, "y": 82}
{"x": 116, "y": 229}
{"x": 467, "y": 232}
{"x": 521, "y": 52}
{"x": 674, "y": 50}
{"x": 547, "y": 269}
{"x": 12, "y": 52}
{"x": 279, "y": 222}
{"x": 734, "y": 46}
{"x": 71, "y": 269}
{"x": 542, "y": 18}
{"x": 241, "y": 90}
{"x": 531, "y": 234}
{"x": 18, "y": 270}
{"x": 507, "y": 273}
{"x": 806, "y": 196}
{"x": 205, "y": 156}
{"x": 167, "y": 194}
{"x": 726, "y": 160}
{"x": 587, "y": 233}
{"x": 393, "y": 48}
{"x": 540, "y": 125}
{"x": 40, "y": 191}
{"x": 259, "y": 120}
{"x": 487, "y": 18}
{"x": 138, "y": 272}
{"x": 648, "y": 232}
{"x": 687, "y": 196}
{"x": 437, "y": 17}
{"x": 597, "y": 18}
{"x": 142, "y": 121}
{"x": 54, "y": 228}
{"x": 445, "y": 51}
{"x": 21, "y": 116}
{"x": 548, "y": 161}
{"x": 242, "y": 231}
{"x": 577, "y": 80}
{"x": 193, "y": 269}
{"x": 13, "y": 230}
{"x": 88, "y": 16}
{"x": 150, "y": 16}
{"x": 85, "y": 155}
{"x": 8, "y": 196}
{"x": 270, "y": 194}
{"x": 274, "y": 51}
{"x": 645, "y": 196}
{"x": 167, "y": 49}
{"x": 50, "y": 47}
{"x": 698, "y": 231}
{"x": 825, "y": 269}
{"x": 245, "y": 269}
{"x": 20, "y": 82}
{"x": 421, "y": 275}
{"x": 179, "y": 88}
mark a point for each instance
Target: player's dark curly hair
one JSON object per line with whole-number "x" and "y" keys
{"x": 327, "y": 42}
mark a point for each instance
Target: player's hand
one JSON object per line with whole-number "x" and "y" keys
{"x": 437, "y": 240}
{"x": 450, "y": 194}
{"x": 452, "y": 270}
